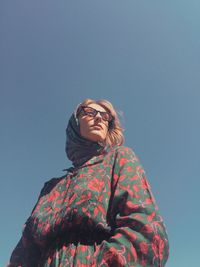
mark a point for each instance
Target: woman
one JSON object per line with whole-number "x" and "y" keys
{"x": 102, "y": 212}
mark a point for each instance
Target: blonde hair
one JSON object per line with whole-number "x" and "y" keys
{"x": 115, "y": 131}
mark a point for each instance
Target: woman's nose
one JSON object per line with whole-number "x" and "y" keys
{"x": 98, "y": 115}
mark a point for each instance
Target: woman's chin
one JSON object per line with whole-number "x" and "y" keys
{"x": 96, "y": 138}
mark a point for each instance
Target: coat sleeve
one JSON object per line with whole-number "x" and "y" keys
{"x": 26, "y": 253}
{"x": 139, "y": 236}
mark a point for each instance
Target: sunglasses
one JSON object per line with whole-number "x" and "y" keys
{"x": 92, "y": 112}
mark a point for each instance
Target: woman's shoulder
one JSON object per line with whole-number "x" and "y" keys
{"x": 123, "y": 151}
{"x": 50, "y": 184}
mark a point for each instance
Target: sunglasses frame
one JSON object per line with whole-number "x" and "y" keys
{"x": 95, "y": 112}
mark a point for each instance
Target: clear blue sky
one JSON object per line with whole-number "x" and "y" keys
{"x": 143, "y": 56}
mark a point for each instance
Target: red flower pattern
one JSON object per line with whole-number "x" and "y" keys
{"x": 102, "y": 215}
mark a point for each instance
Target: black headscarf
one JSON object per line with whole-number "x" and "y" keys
{"x": 79, "y": 149}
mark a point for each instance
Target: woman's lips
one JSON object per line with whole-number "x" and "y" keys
{"x": 98, "y": 127}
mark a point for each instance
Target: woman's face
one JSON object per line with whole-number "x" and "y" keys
{"x": 93, "y": 128}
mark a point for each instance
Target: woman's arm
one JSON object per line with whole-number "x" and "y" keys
{"x": 139, "y": 237}
{"x": 26, "y": 253}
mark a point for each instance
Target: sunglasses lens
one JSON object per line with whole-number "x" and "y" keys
{"x": 90, "y": 111}
{"x": 105, "y": 116}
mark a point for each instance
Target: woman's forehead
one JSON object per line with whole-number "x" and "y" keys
{"x": 96, "y": 106}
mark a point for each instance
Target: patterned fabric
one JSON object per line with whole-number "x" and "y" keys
{"x": 101, "y": 214}
{"x": 78, "y": 148}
